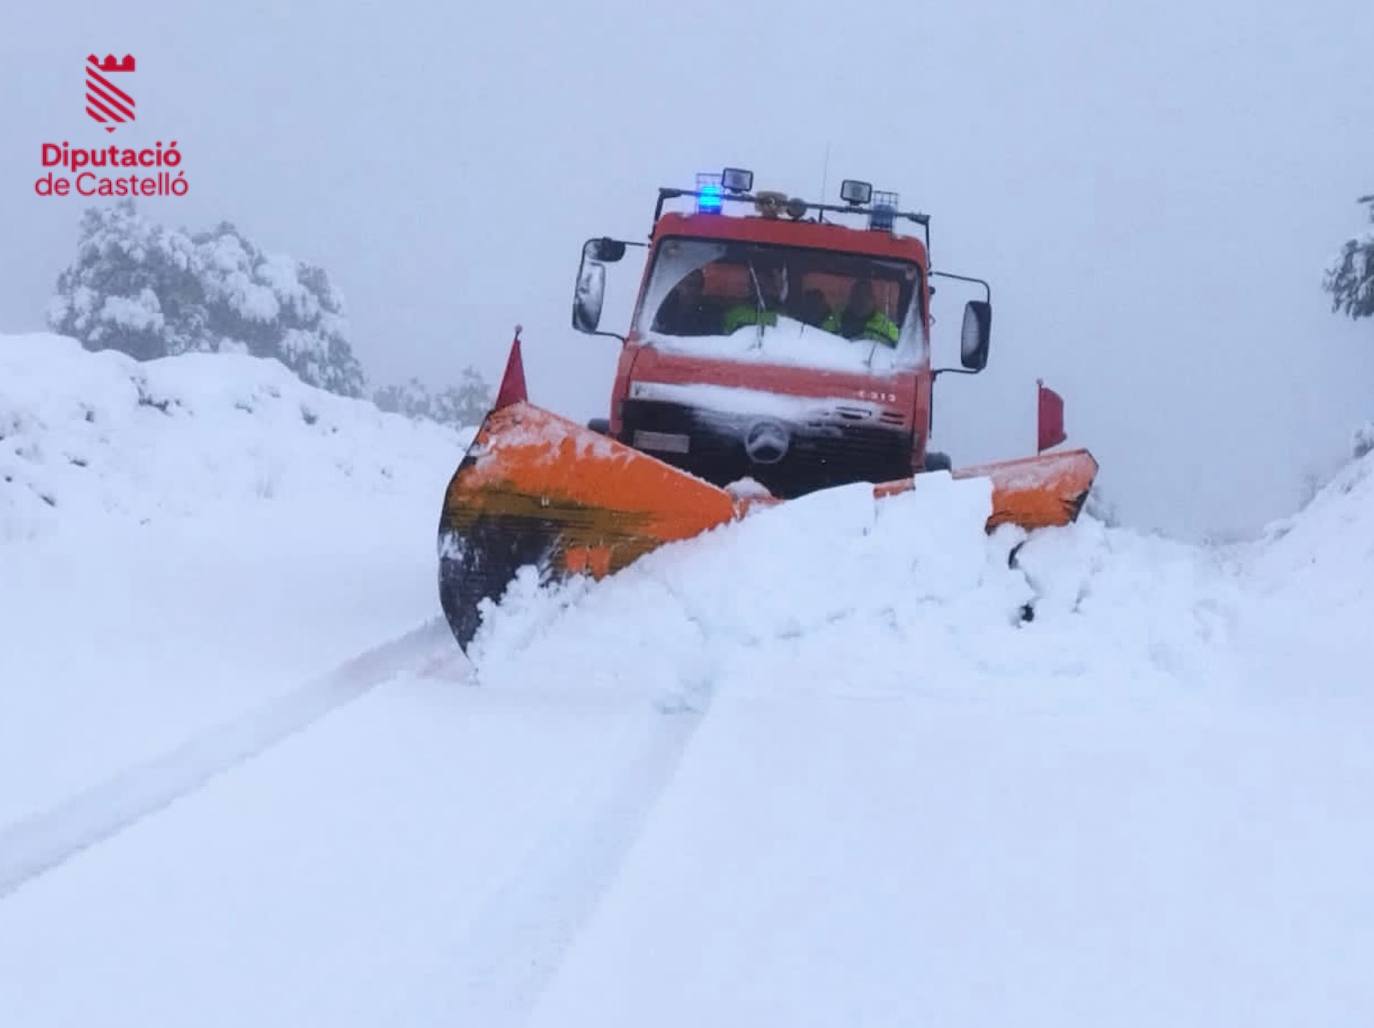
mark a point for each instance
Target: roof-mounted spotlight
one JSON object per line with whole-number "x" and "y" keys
{"x": 856, "y": 193}
{"x": 737, "y": 180}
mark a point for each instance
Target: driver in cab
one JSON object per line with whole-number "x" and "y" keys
{"x": 686, "y": 311}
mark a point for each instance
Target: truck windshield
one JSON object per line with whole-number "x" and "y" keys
{"x": 710, "y": 289}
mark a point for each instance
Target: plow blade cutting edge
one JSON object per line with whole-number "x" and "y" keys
{"x": 535, "y": 488}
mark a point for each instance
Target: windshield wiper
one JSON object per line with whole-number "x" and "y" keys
{"x": 758, "y": 305}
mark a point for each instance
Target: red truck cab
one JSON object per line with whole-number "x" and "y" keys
{"x": 777, "y": 346}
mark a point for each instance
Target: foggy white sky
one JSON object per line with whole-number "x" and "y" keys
{"x": 1153, "y": 191}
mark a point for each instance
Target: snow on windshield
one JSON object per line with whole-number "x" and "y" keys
{"x": 794, "y": 343}
{"x": 782, "y": 305}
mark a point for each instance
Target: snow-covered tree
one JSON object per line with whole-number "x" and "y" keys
{"x": 151, "y": 291}
{"x": 132, "y": 288}
{"x": 277, "y": 307}
{"x": 411, "y": 398}
{"x": 461, "y": 405}
{"x": 466, "y": 403}
{"x": 1350, "y": 281}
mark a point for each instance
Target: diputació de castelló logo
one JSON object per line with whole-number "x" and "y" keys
{"x": 111, "y": 170}
{"x": 105, "y": 102}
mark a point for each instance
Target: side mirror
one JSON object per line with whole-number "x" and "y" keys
{"x": 605, "y": 250}
{"x": 976, "y": 335}
{"x": 590, "y": 294}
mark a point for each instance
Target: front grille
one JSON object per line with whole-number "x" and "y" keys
{"x": 821, "y": 453}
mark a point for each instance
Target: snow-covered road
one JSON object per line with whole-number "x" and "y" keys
{"x": 420, "y": 856}
{"x": 434, "y": 852}
{"x": 44, "y": 839}
{"x": 812, "y": 769}
{"x": 994, "y": 859}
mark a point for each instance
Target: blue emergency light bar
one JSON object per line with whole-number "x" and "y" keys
{"x": 710, "y": 194}
{"x": 734, "y": 184}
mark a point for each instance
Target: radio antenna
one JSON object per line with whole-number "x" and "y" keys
{"x": 825, "y": 178}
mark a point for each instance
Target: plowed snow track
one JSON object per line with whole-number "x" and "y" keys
{"x": 529, "y": 922}
{"x": 41, "y": 841}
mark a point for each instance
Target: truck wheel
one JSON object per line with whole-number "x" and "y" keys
{"x": 937, "y": 461}
{"x": 602, "y": 425}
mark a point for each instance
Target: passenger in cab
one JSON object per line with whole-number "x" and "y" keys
{"x": 747, "y": 311}
{"x": 860, "y": 317}
{"x": 812, "y": 308}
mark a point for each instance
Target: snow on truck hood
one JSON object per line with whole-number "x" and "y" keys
{"x": 745, "y": 402}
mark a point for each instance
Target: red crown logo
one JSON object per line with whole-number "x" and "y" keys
{"x": 107, "y": 103}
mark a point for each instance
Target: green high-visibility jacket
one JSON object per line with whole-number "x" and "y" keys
{"x": 745, "y": 314}
{"x": 879, "y": 327}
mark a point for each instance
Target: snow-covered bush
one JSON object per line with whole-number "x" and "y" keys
{"x": 1350, "y": 281}
{"x": 1364, "y": 440}
{"x": 150, "y": 291}
{"x": 461, "y": 406}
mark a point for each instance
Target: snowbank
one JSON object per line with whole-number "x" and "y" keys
{"x": 1325, "y": 553}
{"x": 808, "y": 582}
{"x": 1309, "y": 583}
{"x": 839, "y": 592}
{"x": 99, "y": 435}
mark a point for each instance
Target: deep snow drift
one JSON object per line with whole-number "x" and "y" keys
{"x": 839, "y": 591}
{"x": 816, "y": 768}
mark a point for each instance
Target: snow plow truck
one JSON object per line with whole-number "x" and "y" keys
{"x": 777, "y": 346}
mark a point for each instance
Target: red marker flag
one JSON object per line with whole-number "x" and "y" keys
{"x": 513, "y": 381}
{"x": 1050, "y": 406}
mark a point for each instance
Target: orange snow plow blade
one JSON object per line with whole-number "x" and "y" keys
{"x": 1033, "y": 492}
{"x": 538, "y": 489}
{"x": 1037, "y": 492}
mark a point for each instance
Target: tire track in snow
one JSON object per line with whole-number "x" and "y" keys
{"x": 516, "y": 944}
{"x": 40, "y": 842}
{"x": 528, "y": 925}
